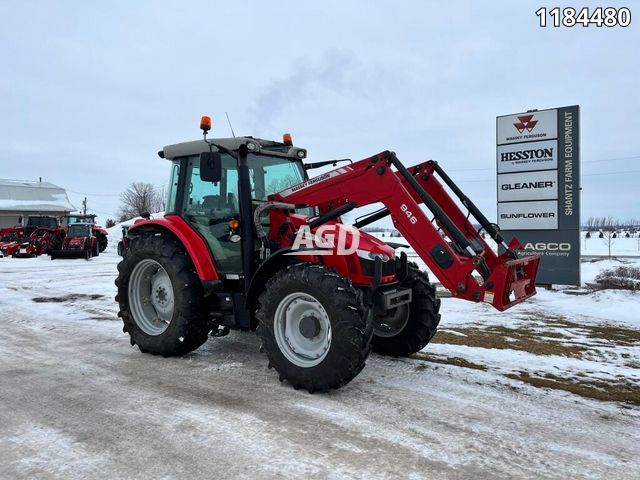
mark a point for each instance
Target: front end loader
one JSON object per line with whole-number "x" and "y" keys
{"x": 248, "y": 241}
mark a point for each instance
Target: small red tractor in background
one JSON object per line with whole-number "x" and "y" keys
{"x": 40, "y": 242}
{"x": 80, "y": 242}
{"x": 44, "y": 233}
{"x": 99, "y": 232}
{"x": 10, "y": 240}
{"x": 249, "y": 241}
{"x": 27, "y": 249}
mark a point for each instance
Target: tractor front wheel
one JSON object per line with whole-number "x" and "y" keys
{"x": 314, "y": 327}
{"x": 409, "y": 328}
{"x": 161, "y": 298}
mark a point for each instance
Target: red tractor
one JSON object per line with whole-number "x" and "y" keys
{"x": 248, "y": 241}
{"x": 44, "y": 233}
{"x": 79, "y": 243}
{"x": 27, "y": 250}
{"x": 41, "y": 241}
{"x": 10, "y": 240}
{"x": 99, "y": 232}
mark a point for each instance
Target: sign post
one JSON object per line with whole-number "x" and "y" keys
{"x": 538, "y": 169}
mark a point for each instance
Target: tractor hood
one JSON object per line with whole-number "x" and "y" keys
{"x": 76, "y": 242}
{"x": 372, "y": 246}
{"x": 348, "y": 240}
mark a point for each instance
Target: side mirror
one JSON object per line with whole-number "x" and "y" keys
{"x": 210, "y": 166}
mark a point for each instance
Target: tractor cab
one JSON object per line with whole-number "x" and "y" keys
{"x": 41, "y": 221}
{"x": 79, "y": 230}
{"x": 204, "y": 190}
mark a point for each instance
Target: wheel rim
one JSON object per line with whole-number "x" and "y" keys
{"x": 389, "y": 325}
{"x": 302, "y": 329}
{"x": 151, "y": 297}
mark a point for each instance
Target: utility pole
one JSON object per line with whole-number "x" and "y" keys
{"x": 84, "y": 206}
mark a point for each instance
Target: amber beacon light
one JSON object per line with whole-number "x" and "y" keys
{"x": 205, "y": 123}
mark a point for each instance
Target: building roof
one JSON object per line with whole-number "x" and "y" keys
{"x": 28, "y": 196}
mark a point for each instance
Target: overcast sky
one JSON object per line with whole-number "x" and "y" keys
{"x": 90, "y": 91}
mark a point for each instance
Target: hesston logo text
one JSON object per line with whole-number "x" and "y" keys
{"x": 526, "y": 185}
{"x": 534, "y": 154}
{"x": 526, "y": 122}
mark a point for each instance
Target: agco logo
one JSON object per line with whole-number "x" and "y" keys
{"x": 551, "y": 246}
{"x": 525, "y": 122}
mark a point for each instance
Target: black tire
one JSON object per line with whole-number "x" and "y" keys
{"x": 189, "y": 327}
{"x": 55, "y": 243}
{"x": 103, "y": 241}
{"x": 422, "y": 322}
{"x": 53, "y": 255}
{"x": 350, "y": 323}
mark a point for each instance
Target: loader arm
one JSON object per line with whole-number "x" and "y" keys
{"x": 450, "y": 246}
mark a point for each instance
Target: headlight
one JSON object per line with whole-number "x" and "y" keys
{"x": 372, "y": 255}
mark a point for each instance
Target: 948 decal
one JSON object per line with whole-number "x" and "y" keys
{"x": 595, "y": 16}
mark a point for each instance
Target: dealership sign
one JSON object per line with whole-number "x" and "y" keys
{"x": 537, "y": 160}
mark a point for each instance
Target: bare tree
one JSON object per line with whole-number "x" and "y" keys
{"x": 138, "y": 198}
{"x": 278, "y": 184}
{"x": 608, "y": 230}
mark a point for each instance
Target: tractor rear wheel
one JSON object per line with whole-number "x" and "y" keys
{"x": 161, "y": 298}
{"x": 409, "y": 328}
{"x": 314, "y": 327}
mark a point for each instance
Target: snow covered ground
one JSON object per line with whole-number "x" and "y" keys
{"x": 548, "y": 389}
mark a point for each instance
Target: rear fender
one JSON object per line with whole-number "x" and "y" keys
{"x": 193, "y": 243}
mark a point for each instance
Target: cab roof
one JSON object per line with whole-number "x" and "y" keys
{"x": 266, "y": 147}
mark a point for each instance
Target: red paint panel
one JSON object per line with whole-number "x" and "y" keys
{"x": 193, "y": 243}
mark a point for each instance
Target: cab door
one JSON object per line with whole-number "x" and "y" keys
{"x": 209, "y": 207}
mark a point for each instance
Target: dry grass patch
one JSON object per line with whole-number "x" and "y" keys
{"x": 457, "y": 361}
{"x": 596, "y": 389}
{"x": 522, "y": 339}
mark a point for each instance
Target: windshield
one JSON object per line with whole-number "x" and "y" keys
{"x": 78, "y": 230}
{"x": 272, "y": 174}
{"x": 50, "y": 222}
{"x": 80, "y": 219}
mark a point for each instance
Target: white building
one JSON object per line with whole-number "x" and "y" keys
{"x": 20, "y": 198}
